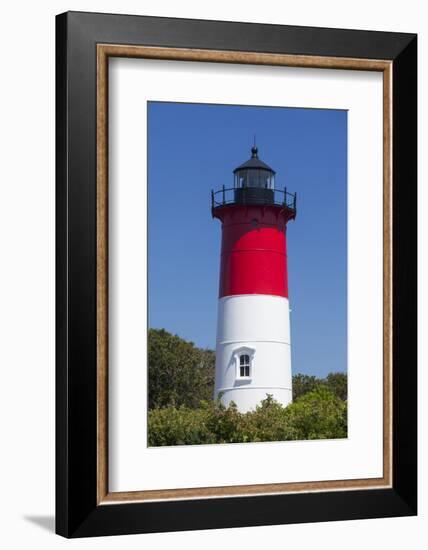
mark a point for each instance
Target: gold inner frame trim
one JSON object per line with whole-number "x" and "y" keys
{"x": 104, "y": 51}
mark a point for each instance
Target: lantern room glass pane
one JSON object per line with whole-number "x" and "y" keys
{"x": 262, "y": 179}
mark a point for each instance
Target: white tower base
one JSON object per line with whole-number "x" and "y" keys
{"x": 253, "y": 356}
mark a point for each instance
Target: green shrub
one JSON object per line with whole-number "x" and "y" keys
{"x": 182, "y": 426}
{"x": 336, "y": 382}
{"x": 304, "y": 383}
{"x": 269, "y": 423}
{"x": 316, "y": 415}
{"x": 179, "y": 372}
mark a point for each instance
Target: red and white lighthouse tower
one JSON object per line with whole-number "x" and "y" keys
{"x": 253, "y": 356}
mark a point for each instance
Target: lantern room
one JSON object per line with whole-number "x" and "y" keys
{"x": 254, "y": 173}
{"x": 253, "y": 185}
{"x": 254, "y": 181}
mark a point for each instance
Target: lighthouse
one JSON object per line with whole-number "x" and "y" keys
{"x": 253, "y": 357}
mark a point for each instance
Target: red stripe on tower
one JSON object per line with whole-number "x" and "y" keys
{"x": 253, "y": 250}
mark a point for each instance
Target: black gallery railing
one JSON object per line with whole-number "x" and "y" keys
{"x": 252, "y": 196}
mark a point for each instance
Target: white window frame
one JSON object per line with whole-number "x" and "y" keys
{"x": 237, "y": 358}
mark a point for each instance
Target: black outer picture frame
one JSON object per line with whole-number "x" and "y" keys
{"x": 77, "y": 513}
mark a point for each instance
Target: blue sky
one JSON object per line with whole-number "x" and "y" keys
{"x": 195, "y": 148}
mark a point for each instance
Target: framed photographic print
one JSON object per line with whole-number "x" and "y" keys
{"x": 236, "y": 274}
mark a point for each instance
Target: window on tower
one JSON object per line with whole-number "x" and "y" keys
{"x": 244, "y": 365}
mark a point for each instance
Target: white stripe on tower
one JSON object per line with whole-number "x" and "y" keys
{"x": 258, "y": 326}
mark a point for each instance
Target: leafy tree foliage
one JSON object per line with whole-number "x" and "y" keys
{"x": 304, "y": 383}
{"x": 182, "y": 426}
{"x": 336, "y": 382}
{"x": 179, "y": 372}
{"x": 316, "y": 415}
